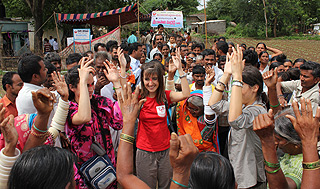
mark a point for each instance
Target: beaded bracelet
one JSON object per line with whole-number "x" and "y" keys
{"x": 116, "y": 88}
{"x": 42, "y": 131}
{"x": 237, "y": 81}
{"x": 184, "y": 186}
{"x": 272, "y": 172}
{"x": 44, "y": 135}
{"x": 271, "y": 165}
{"x": 184, "y": 75}
{"x": 311, "y": 165}
{"x": 275, "y": 105}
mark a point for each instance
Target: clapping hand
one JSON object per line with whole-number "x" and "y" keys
{"x": 60, "y": 85}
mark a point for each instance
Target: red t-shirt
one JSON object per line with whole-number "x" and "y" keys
{"x": 153, "y": 133}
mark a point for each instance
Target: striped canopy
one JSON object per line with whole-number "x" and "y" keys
{"x": 116, "y": 17}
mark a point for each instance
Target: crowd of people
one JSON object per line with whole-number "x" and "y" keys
{"x": 161, "y": 111}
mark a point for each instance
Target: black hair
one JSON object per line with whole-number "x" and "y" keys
{"x": 72, "y": 77}
{"x": 7, "y": 79}
{"x": 252, "y": 76}
{"x": 191, "y": 53}
{"x": 86, "y": 54}
{"x": 132, "y": 32}
{"x": 287, "y": 60}
{"x": 299, "y": 60}
{"x": 110, "y": 44}
{"x": 28, "y": 66}
{"x": 97, "y": 45}
{"x": 127, "y": 57}
{"x": 262, "y": 52}
{"x": 251, "y": 47}
{"x": 160, "y": 26}
{"x": 222, "y": 59}
{"x": 113, "y": 47}
{"x": 275, "y": 65}
{"x": 74, "y": 57}
{"x": 197, "y": 45}
{"x": 223, "y": 46}
{"x": 165, "y": 45}
{"x": 291, "y": 74}
{"x": 251, "y": 58}
{"x": 173, "y": 50}
{"x": 211, "y": 170}
{"x": 315, "y": 67}
{"x": 133, "y": 46}
{"x": 51, "y": 68}
{"x": 207, "y": 52}
{"x": 42, "y": 167}
{"x": 279, "y": 58}
{"x": 244, "y": 46}
{"x": 124, "y": 46}
{"x": 198, "y": 69}
{"x": 265, "y": 46}
{"x": 183, "y": 46}
{"x": 223, "y": 38}
{"x": 52, "y": 57}
{"x": 230, "y": 43}
{"x": 157, "y": 54}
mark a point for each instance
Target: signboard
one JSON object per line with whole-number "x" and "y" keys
{"x": 169, "y": 19}
{"x": 81, "y": 35}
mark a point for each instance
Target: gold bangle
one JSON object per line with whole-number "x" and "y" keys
{"x": 43, "y": 135}
{"x": 127, "y": 137}
{"x": 124, "y": 140}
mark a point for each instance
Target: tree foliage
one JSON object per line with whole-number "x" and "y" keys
{"x": 186, "y": 6}
{"x": 284, "y": 16}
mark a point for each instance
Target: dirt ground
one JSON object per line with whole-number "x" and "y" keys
{"x": 307, "y": 49}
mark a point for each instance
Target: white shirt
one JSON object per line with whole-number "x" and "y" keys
{"x": 24, "y": 101}
{"x": 107, "y": 90}
{"x": 135, "y": 66}
{"x": 55, "y": 45}
{"x": 51, "y": 42}
{"x": 154, "y": 51}
{"x": 265, "y": 88}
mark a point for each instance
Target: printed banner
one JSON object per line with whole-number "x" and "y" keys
{"x": 82, "y": 47}
{"x": 169, "y": 19}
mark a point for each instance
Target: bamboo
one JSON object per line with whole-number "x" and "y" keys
{"x": 205, "y": 22}
{"x": 55, "y": 20}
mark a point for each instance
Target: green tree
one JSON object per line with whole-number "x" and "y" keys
{"x": 186, "y": 6}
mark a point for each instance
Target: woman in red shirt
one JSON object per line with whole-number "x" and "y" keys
{"x": 153, "y": 137}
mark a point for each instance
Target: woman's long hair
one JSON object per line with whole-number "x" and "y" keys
{"x": 153, "y": 67}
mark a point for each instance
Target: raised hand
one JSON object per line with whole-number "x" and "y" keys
{"x": 182, "y": 153}
{"x": 305, "y": 124}
{"x": 121, "y": 58}
{"x": 237, "y": 63}
{"x": 85, "y": 69}
{"x": 43, "y": 100}
{"x": 172, "y": 67}
{"x": 227, "y": 66}
{"x": 210, "y": 76}
{"x": 60, "y": 85}
{"x": 130, "y": 104}
{"x": 112, "y": 72}
{"x": 270, "y": 78}
{"x": 101, "y": 82}
{"x": 177, "y": 60}
{"x": 9, "y": 133}
{"x": 263, "y": 125}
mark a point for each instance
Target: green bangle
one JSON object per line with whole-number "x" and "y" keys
{"x": 42, "y": 131}
{"x": 275, "y": 105}
{"x": 311, "y": 165}
{"x": 271, "y": 165}
{"x": 272, "y": 172}
{"x": 184, "y": 186}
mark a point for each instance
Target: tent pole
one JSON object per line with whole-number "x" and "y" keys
{"x": 55, "y": 20}
{"x": 205, "y": 22}
{"x": 138, "y": 19}
{"x": 120, "y": 26}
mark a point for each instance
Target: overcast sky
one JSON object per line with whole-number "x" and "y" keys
{"x": 201, "y": 4}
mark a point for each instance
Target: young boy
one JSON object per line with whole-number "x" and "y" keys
{"x": 172, "y": 41}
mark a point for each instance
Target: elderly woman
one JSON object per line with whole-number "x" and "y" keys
{"x": 275, "y": 133}
{"x": 192, "y": 120}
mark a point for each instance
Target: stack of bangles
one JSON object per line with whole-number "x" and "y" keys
{"x": 272, "y": 165}
{"x": 39, "y": 133}
{"x": 127, "y": 138}
{"x": 237, "y": 83}
{"x": 222, "y": 84}
{"x": 311, "y": 165}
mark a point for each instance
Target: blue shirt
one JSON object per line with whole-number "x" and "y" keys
{"x": 132, "y": 38}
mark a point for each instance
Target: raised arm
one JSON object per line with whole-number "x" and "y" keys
{"x": 84, "y": 111}
{"x": 237, "y": 65}
{"x": 275, "y": 51}
{"x": 270, "y": 79}
{"x": 43, "y": 100}
{"x": 263, "y": 125}
{"x": 221, "y": 86}
{"x": 113, "y": 76}
{"x": 178, "y": 96}
{"x": 123, "y": 65}
{"x": 307, "y": 128}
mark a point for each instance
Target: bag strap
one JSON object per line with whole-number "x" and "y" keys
{"x": 170, "y": 127}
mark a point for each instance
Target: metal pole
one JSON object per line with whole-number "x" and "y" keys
{"x": 205, "y": 22}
